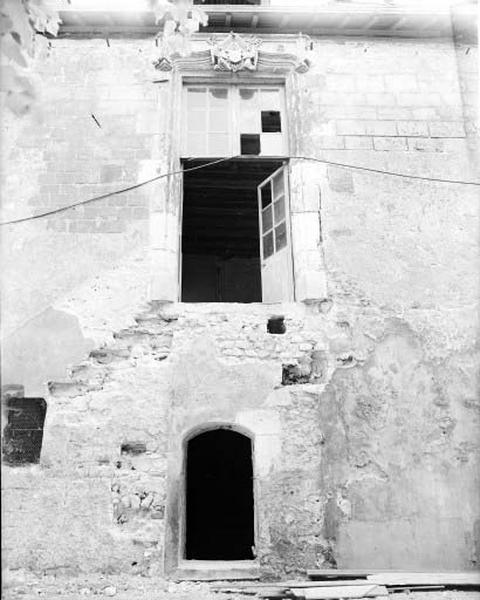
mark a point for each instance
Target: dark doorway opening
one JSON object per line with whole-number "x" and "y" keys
{"x": 220, "y": 509}
{"x": 220, "y": 236}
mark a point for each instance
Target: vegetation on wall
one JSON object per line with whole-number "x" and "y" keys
{"x": 27, "y": 25}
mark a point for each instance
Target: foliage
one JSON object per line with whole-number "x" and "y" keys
{"x": 26, "y": 25}
{"x": 181, "y": 20}
{"x": 20, "y": 22}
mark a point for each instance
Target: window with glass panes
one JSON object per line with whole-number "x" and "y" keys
{"x": 229, "y": 120}
{"x": 273, "y": 220}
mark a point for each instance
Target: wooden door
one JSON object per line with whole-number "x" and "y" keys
{"x": 275, "y": 238}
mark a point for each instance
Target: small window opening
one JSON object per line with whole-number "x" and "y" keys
{"x": 23, "y": 432}
{"x": 220, "y": 508}
{"x": 220, "y": 231}
{"x": 271, "y": 121}
{"x": 250, "y": 144}
{"x": 276, "y": 325}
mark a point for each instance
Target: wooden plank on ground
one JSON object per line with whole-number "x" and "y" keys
{"x": 285, "y": 585}
{"x": 344, "y": 591}
{"x": 453, "y": 578}
{"x": 343, "y": 573}
{"x": 264, "y": 591}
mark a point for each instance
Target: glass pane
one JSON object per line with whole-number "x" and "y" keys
{"x": 196, "y": 144}
{"x": 250, "y": 121}
{"x": 196, "y": 121}
{"x": 249, "y": 143}
{"x": 280, "y": 236}
{"x": 218, "y": 144}
{"x": 272, "y": 144}
{"x": 218, "y": 97}
{"x": 279, "y": 210}
{"x": 247, "y": 93}
{"x": 270, "y": 99}
{"x": 250, "y": 116}
{"x": 271, "y": 121}
{"x": 267, "y": 218}
{"x": 196, "y": 97}
{"x": 219, "y": 120}
{"x": 266, "y": 196}
{"x": 277, "y": 183}
{"x": 268, "y": 245}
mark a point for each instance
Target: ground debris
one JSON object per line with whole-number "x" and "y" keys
{"x": 23, "y": 585}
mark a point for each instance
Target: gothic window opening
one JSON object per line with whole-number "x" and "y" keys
{"x": 23, "y": 433}
{"x": 219, "y": 497}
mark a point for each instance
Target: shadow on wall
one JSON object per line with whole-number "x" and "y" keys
{"x": 42, "y": 350}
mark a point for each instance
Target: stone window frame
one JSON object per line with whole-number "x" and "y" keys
{"x": 166, "y": 208}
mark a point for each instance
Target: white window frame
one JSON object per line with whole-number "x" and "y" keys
{"x": 233, "y": 99}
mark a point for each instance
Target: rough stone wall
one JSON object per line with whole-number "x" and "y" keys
{"x": 467, "y": 63}
{"x": 380, "y": 444}
{"x": 369, "y": 456}
{"x": 59, "y": 156}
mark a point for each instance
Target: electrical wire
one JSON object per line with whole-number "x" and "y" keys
{"x": 221, "y": 160}
{"x": 114, "y": 193}
{"x": 386, "y": 172}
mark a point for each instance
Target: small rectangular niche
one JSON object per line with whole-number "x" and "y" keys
{"x": 133, "y": 448}
{"x": 23, "y": 433}
{"x": 276, "y": 325}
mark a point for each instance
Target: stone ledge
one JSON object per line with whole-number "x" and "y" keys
{"x": 216, "y": 570}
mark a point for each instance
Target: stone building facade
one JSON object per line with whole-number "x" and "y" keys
{"x": 341, "y": 366}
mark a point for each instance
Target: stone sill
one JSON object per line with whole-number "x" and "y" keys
{"x": 258, "y": 309}
{"x": 216, "y": 570}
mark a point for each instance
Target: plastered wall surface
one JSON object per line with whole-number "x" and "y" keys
{"x": 371, "y": 458}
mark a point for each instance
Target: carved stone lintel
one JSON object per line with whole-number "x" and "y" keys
{"x": 234, "y": 53}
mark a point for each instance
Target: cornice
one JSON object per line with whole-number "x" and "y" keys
{"x": 334, "y": 19}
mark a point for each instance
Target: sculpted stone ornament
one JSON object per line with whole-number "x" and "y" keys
{"x": 163, "y": 64}
{"x": 234, "y": 53}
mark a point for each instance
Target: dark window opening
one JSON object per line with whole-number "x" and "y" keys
{"x": 23, "y": 433}
{"x": 250, "y": 144}
{"x": 220, "y": 232}
{"x": 271, "y": 121}
{"x": 276, "y": 325}
{"x": 220, "y": 509}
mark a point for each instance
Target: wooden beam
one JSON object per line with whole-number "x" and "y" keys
{"x": 345, "y": 591}
{"x": 372, "y": 21}
{"x": 286, "y": 585}
{"x": 400, "y": 23}
{"x": 461, "y": 579}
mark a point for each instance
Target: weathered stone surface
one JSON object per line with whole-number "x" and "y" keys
{"x": 370, "y": 457}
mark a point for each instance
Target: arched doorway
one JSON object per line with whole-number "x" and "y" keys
{"x": 219, "y": 502}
